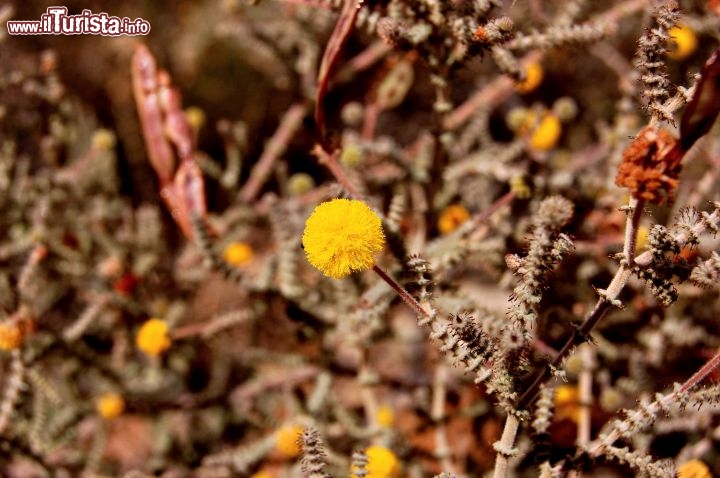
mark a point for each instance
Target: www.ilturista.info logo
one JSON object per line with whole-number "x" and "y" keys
{"x": 57, "y": 22}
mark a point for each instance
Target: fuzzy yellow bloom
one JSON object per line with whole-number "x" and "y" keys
{"x": 342, "y": 236}
{"x": 683, "y": 42}
{"x": 110, "y": 405}
{"x": 694, "y": 469}
{"x": 103, "y": 139}
{"x": 546, "y": 134}
{"x": 195, "y": 116}
{"x": 567, "y": 402}
{"x": 287, "y": 440}
{"x": 382, "y": 463}
{"x": 153, "y": 338}
{"x": 385, "y": 416}
{"x": 262, "y": 474}
{"x": 533, "y": 77}
{"x": 451, "y": 217}
{"x": 237, "y": 253}
{"x": 11, "y": 336}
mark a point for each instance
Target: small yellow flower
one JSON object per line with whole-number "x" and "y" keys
{"x": 351, "y": 155}
{"x": 195, "y": 117}
{"x": 520, "y": 187}
{"x": 110, "y": 405}
{"x": 385, "y": 416}
{"x": 262, "y": 474}
{"x": 567, "y": 402}
{"x": 237, "y": 253}
{"x": 382, "y": 463}
{"x": 683, "y": 42}
{"x": 287, "y": 440}
{"x": 451, "y": 217}
{"x": 694, "y": 469}
{"x": 342, "y": 236}
{"x": 533, "y": 77}
{"x": 546, "y": 134}
{"x": 300, "y": 183}
{"x": 103, "y": 139}
{"x": 11, "y": 336}
{"x": 153, "y": 338}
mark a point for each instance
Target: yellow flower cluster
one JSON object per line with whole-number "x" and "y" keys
{"x": 342, "y": 236}
{"x": 153, "y": 338}
{"x": 11, "y": 336}
{"x": 287, "y": 440}
{"x": 237, "y": 253}
{"x": 451, "y": 217}
{"x": 694, "y": 469}
{"x": 533, "y": 77}
{"x": 683, "y": 42}
{"x": 382, "y": 463}
{"x": 110, "y": 405}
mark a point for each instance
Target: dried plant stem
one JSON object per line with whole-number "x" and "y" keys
{"x": 665, "y": 401}
{"x": 608, "y": 298}
{"x": 330, "y": 161}
{"x": 289, "y": 125}
{"x": 505, "y": 446}
{"x": 437, "y": 413}
{"x": 404, "y": 294}
{"x": 585, "y": 384}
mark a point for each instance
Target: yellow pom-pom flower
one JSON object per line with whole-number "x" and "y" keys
{"x": 262, "y": 474}
{"x": 287, "y": 440}
{"x": 11, "y": 336}
{"x": 683, "y": 42}
{"x": 567, "y": 402}
{"x": 546, "y": 134}
{"x": 451, "y": 217}
{"x": 694, "y": 469}
{"x": 110, "y": 405}
{"x": 103, "y": 139}
{"x": 237, "y": 253}
{"x": 382, "y": 463}
{"x": 153, "y": 338}
{"x": 342, "y": 236}
{"x": 385, "y": 416}
{"x": 533, "y": 77}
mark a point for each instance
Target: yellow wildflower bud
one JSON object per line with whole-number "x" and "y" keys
{"x": 520, "y": 187}
{"x": 567, "y": 398}
{"x": 694, "y": 469}
{"x": 237, "y": 253}
{"x": 11, "y": 336}
{"x": 351, "y": 155}
{"x": 153, "y": 338}
{"x": 110, "y": 405}
{"x": 385, "y": 416}
{"x": 195, "y": 117}
{"x": 382, "y": 463}
{"x": 287, "y": 440}
{"x": 342, "y": 236}
{"x": 683, "y": 42}
{"x": 517, "y": 118}
{"x": 451, "y": 217}
{"x": 533, "y": 77}
{"x": 300, "y": 183}
{"x": 546, "y": 134}
{"x": 103, "y": 139}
